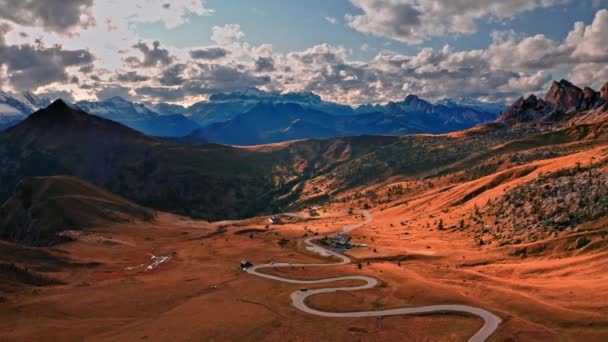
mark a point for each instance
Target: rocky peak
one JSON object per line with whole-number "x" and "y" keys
{"x": 413, "y": 102}
{"x": 525, "y": 110}
{"x": 564, "y": 96}
{"x": 411, "y": 98}
{"x": 59, "y": 108}
{"x": 563, "y": 102}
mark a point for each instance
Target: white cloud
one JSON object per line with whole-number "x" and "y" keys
{"x": 591, "y": 41}
{"x": 331, "y": 20}
{"x": 127, "y": 65}
{"x": 227, "y": 34}
{"x": 413, "y": 21}
{"x": 53, "y": 15}
{"x": 171, "y": 13}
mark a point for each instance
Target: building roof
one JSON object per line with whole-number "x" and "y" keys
{"x": 342, "y": 239}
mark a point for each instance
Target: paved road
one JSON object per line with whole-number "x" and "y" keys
{"x": 298, "y": 298}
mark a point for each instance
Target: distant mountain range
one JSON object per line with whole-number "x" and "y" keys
{"x": 215, "y": 181}
{"x": 141, "y": 117}
{"x": 294, "y": 116}
{"x": 14, "y": 108}
{"x": 225, "y": 107}
{"x": 270, "y": 122}
{"x": 208, "y": 181}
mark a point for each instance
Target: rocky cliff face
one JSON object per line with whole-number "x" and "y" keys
{"x": 564, "y": 96}
{"x": 604, "y": 92}
{"x": 590, "y": 98}
{"x": 531, "y": 109}
{"x": 563, "y": 102}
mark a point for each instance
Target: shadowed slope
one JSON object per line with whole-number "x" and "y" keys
{"x": 45, "y": 206}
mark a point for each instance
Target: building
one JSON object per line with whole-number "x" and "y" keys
{"x": 342, "y": 241}
{"x": 275, "y": 220}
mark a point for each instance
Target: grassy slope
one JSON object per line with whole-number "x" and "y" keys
{"x": 45, "y": 206}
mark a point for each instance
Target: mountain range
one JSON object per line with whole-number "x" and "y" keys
{"x": 276, "y": 122}
{"x": 217, "y": 181}
{"x": 141, "y": 117}
{"x": 214, "y": 117}
{"x": 14, "y": 108}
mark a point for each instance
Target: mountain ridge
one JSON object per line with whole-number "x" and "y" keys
{"x": 269, "y": 122}
{"x": 564, "y": 103}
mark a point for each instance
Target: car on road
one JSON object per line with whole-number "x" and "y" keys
{"x": 303, "y": 289}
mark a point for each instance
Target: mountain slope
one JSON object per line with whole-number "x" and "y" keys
{"x": 42, "y": 207}
{"x": 219, "y": 182}
{"x": 209, "y": 181}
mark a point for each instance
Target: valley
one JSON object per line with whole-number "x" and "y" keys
{"x": 493, "y": 233}
{"x": 345, "y": 170}
{"x": 98, "y": 291}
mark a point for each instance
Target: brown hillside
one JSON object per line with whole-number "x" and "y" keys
{"x": 42, "y": 207}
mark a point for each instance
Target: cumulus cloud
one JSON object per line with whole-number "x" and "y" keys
{"x": 432, "y": 73}
{"x": 54, "y": 94}
{"x": 171, "y": 13}
{"x": 204, "y": 79}
{"x": 264, "y": 64}
{"x": 173, "y": 75}
{"x": 523, "y": 83}
{"x": 53, "y": 15}
{"x": 209, "y": 53}
{"x": 536, "y": 52}
{"x": 592, "y": 74}
{"x": 413, "y": 21}
{"x": 131, "y": 77}
{"x": 227, "y": 34}
{"x": 511, "y": 65}
{"x": 591, "y": 41}
{"x": 105, "y": 92}
{"x": 29, "y": 67}
{"x": 151, "y": 56}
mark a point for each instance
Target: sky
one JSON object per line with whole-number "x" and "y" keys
{"x": 347, "y": 51}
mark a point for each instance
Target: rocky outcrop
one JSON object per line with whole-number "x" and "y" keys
{"x": 564, "y": 96}
{"x": 604, "y": 92}
{"x": 564, "y": 101}
{"x": 531, "y": 109}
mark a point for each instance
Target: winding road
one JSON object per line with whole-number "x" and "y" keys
{"x": 298, "y": 298}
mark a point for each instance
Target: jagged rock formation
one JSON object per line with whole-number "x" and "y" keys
{"x": 563, "y": 103}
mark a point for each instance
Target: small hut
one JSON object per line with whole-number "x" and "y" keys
{"x": 341, "y": 241}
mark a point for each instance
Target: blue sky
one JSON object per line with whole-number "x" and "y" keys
{"x": 351, "y": 51}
